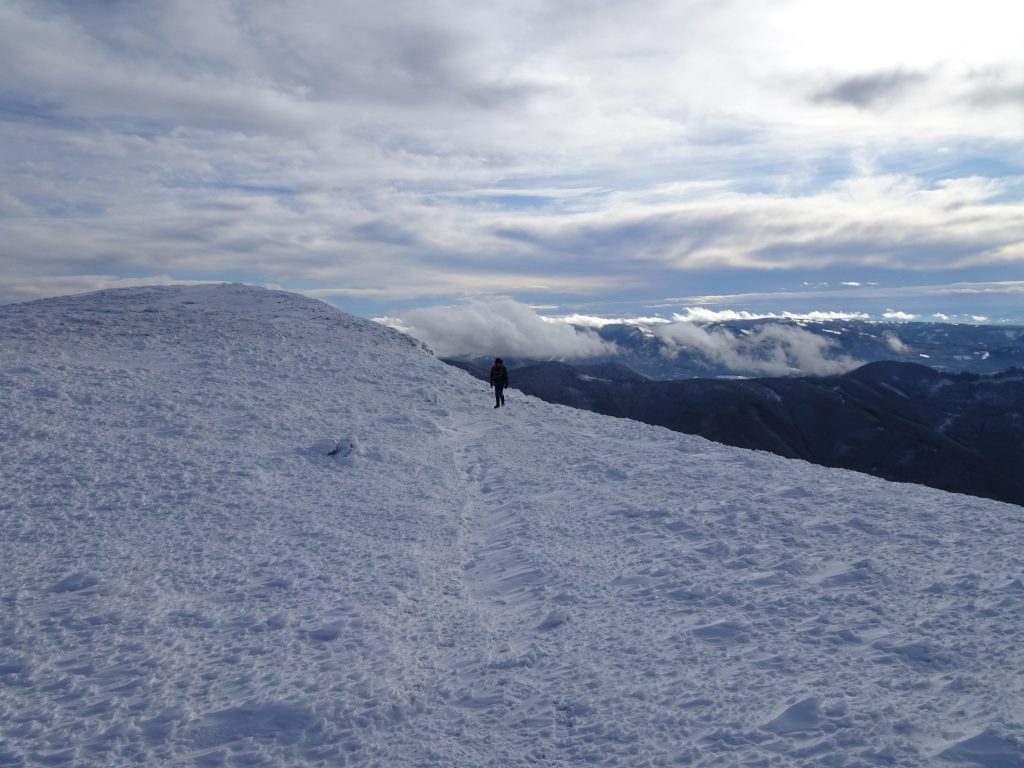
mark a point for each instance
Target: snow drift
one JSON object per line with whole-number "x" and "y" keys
{"x": 244, "y": 528}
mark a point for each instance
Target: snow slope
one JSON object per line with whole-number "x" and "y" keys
{"x": 189, "y": 579}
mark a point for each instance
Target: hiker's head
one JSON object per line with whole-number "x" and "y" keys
{"x": 498, "y": 361}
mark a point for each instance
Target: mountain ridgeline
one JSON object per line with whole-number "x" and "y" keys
{"x": 754, "y": 347}
{"x": 777, "y": 346}
{"x": 899, "y": 421}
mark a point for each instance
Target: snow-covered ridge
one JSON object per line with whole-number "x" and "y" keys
{"x": 189, "y": 578}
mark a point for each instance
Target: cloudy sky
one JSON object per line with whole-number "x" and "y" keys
{"x": 570, "y": 155}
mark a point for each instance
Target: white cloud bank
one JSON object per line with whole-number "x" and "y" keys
{"x": 705, "y": 315}
{"x": 501, "y": 326}
{"x": 769, "y": 350}
{"x": 498, "y": 327}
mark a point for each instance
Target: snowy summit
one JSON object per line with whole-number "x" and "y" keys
{"x": 241, "y": 527}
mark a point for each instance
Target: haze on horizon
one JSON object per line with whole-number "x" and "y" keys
{"x": 575, "y": 158}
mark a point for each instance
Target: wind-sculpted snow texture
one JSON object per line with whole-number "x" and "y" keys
{"x": 190, "y": 579}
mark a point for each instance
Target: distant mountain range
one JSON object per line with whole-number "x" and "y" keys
{"x": 771, "y": 347}
{"x": 901, "y": 421}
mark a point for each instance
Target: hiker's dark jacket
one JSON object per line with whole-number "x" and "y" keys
{"x": 499, "y": 376}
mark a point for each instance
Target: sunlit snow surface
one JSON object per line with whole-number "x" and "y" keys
{"x": 189, "y": 579}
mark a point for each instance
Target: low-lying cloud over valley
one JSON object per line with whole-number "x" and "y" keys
{"x": 503, "y": 327}
{"x": 499, "y": 326}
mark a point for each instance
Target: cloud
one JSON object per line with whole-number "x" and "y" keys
{"x": 497, "y": 326}
{"x": 895, "y": 314}
{"x": 593, "y": 321}
{"x": 770, "y": 349}
{"x": 500, "y": 326}
{"x": 955, "y": 302}
{"x": 997, "y": 86}
{"x": 705, "y": 315}
{"x": 895, "y": 343}
{"x": 403, "y": 151}
{"x": 884, "y": 221}
{"x": 1008, "y": 288}
{"x": 868, "y": 91}
{"x": 27, "y": 288}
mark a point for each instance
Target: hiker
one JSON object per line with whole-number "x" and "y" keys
{"x": 499, "y": 380}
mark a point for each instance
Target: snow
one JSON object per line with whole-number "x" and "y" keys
{"x": 244, "y": 528}
{"x": 895, "y": 390}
